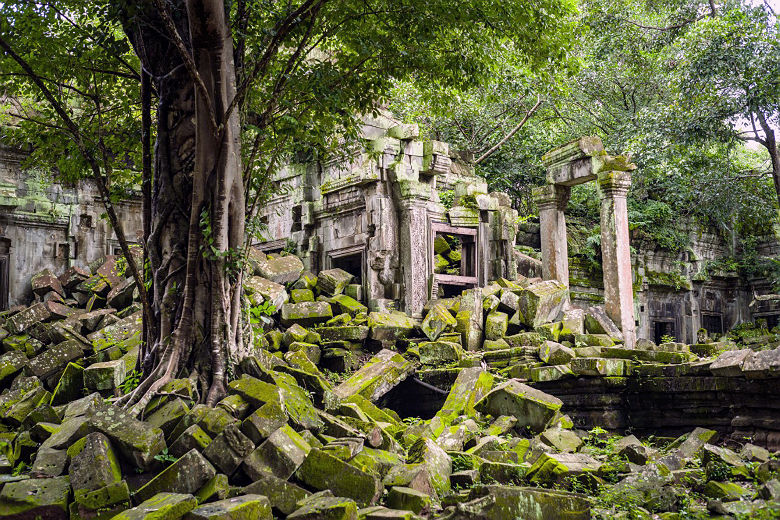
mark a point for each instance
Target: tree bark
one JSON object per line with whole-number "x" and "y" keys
{"x": 197, "y": 198}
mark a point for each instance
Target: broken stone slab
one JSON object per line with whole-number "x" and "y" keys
{"x": 44, "y": 282}
{"x": 471, "y": 385}
{"x": 555, "y": 353}
{"x": 93, "y": 464}
{"x": 193, "y": 437}
{"x": 354, "y": 333}
{"x": 541, "y": 302}
{"x": 167, "y": 416}
{"x": 121, "y": 295}
{"x": 598, "y": 322}
{"x": 244, "y": 507}
{"x": 499, "y": 502}
{"x": 137, "y": 441}
{"x": 281, "y": 454}
{"x": 377, "y": 377}
{"x": 496, "y": 325}
{"x": 762, "y": 364}
{"x": 724, "y": 491}
{"x": 45, "y": 498}
{"x": 321, "y": 471}
{"x": 390, "y": 326}
{"x": 23, "y": 397}
{"x": 532, "y": 407}
{"x": 49, "y": 462}
{"x": 11, "y": 363}
{"x": 333, "y": 281}
{"x": 437, "y": 321}
{"x": 296, "y": 402}
{"x": 281, "y": 270}
{"x": 301, "y": 295}
{"x": 162, "y": 506}
{"x": 72, "y": 277}
{"x": 347, "y": 304}
{"x": 729, "y": 364}
{"x": 549, "y": 373}
{"x": 305, "y": 314}
{"x": 565, "y": 441}
{"x": 126, "y": 331}
{"x": 283, "y": 495}
{"x": 264, "y": 421}
{"x": 187, "y": 475}
{"x": 106, "y": 376}
{"x": 408, "y": 499}
{"x": 552, "y": 468}
{"x": 228, "y": 449}
{"x": 470, "y": 319}
{"x": 324, "y": 506}
{"x": 259, "y": 289}
{"x": 439, "y": 352}
{"x": 437, "y": 462}
{"x": 26, "y": 318}
{"x": 600, "y": 367}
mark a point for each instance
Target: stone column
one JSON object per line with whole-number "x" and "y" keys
{"x": 551, "y": 200}
{"x": 414, "y": 250}
{"x": 615, "y": 252}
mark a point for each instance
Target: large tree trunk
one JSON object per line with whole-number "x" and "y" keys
{"x": 197, "y": 209}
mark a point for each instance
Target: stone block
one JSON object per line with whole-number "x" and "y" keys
{"x": 762, "y": 364}
{"x": 301, "y": 295}
{"x": 49, "y": 462}
{"x": 555, "y": 353}
{"x": 551, "y": 468}
{"x": 44, "y": 282}
{"x": 11, "y": 363}
{"x": 283, "y": 495}
{"x": 162, "y": 506}
{"x": 597, "y": 322}
{"x": 496, "y": 325}
{"x": 390, "y": 326}
{"x": 259, "y": 289}
{"x": 93, "y": 465}
{"x": 377, "y": 377}
{"x": 408, "y": 499}
{"x": 729, "y": 364}
{"x": 244, "y": 507}
{"x": 599, "y": 367}
{"x": 228, "y": 449}
{"x": 306, "y": 313}
{"x": 187, "y": 475}
{"x": 321, "y": 471}
{"x": 264, "y": 421}
{"x": 23, "y": 397}
{"x": 355, "y": 333}
{"x": 347, "y": 304}
{"x": 135, "y": 440}
{"x": 563, "y": 440}
{"x": 282, "y": 269}
{"x": 532, "y": 407}
{"x": 36, "y": 498}
{"x": 329, "y": 507}
{"x": 549, "y": 373}
{"x": 106, "y": 376}
{"x": 436, "y": 461}
{"x": 437, "y": 321}
{"x": 26, "y": 318}
{"x": 192, "y": 438}
{"x": 439, "y": 352}
{"x": 333, "y": 281}
{"x": 280, "y": 455}
{"x": 513, "y": 502}
{"x": 541, "y": 302}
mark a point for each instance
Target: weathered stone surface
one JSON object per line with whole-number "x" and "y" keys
{"x": 333, "y": 281}
{"x": 436, "y": 461}
{"x": 321, "y": 507}
{"x": 192, "y": 438}
{"x": 11, "y": 363}
{"x": 532, "y": 407}
{"x": 563, "y": 440}
{"x": 105, "y": 376}
{"x": 93, "y": 465}
{"x": 762, "y": 364}
{"x": 439, "y": 352}
{"x": 598, "y": 322}
{"x": 408, "y": 499}
{"x": 306, "y": 313}
{"x": 380, "y": 374}
{"x": 729, "y": 363}
{"x": 283, "y": 495}
{"x": 281, "y": 270}
{"x": 438, "y": 320}
{"x": 541, "y": 302}
{"x": 55, "y": 359}
{"x": 512, "y": 503}
{"x": 496, "y": 325}
{"x": 135, "y": 440}
{"x": 599, "y": 367}
{"x": 471, "y": 385}
{"x": 228, "y": 449}
{"x": 321, "y": 470}
{"x": 264, "y": 421}
{"x": 45, "y": 498}
{"x": 26, "y": 318}
{"x": 162, "y": 506}
{"x": 259, "y": 289}
{"x": 187, "y": 475}
{"x": 386, "y": 326}
{"x": 555, "y": 353}
{"x": 23, "y": 397}
{"x": 280, "y": 455}
{"x": 49, "y": 462}
{"x": 550, "y": 468}
{"x": 347, "y": 304}
{"x": 244, "y": 507}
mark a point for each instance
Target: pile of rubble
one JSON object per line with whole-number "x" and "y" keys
{"x": 302, "y": 434}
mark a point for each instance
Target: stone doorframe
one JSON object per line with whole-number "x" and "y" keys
{"x": 578, "y": 162}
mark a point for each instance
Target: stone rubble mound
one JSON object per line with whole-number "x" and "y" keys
{"x": 303, "y": 432}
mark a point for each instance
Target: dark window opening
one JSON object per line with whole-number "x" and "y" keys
{"x": 85, "y": 220}
{"x": 772, "y": 320}
{"x": 663, "y": 330}
{"x": 454, "y": 254}
{"x": 449, "y": 290}
{"x": 353, "y": 264}
{"x": 297, "y": 214}
{"x": 63, "y": 251}
{"x": 5, "y": 262}
{"x": 712, "y": 323}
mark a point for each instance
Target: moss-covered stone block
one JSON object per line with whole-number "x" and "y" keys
{"x": 217, "y": 488}
{"x": 35, "y": 498}
{"x": 380, "y": 374}
{"x": 541, "y": 302}
{"x": 532, "y": 407}
{"x": 280, "y": 455}
{"x": 302, "y": 295}
{"x": 193, "y": 437}
{"x": 162, "y": 506}
{"x": 264, "y": 421}
{"x": 283, "y": 495}
{"x": 332, "y": 508}
{"x": 228, "y": 449}
{"x": 390, "y": 326}
{"x": 408, "y": 499}
{"x": 551, "y": 468}
{"x": 321, "y": 471}
{"x": 439, "y": 352}
{"x": 187, "y": 475}
{"x": 333, "y": 281}
{"x": 244, "y": 507}
{"x": 106, "y": 376}
{"x": 438, "y": 320}
{"x": 306, "y": 313}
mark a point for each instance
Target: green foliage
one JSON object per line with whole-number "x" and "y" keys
{"x": 20, "y": 468}
{"x": 262, "y": 314}
{"x": 165, "y": 457}
{"x": 132, "y": 380}
{"x": 447, "y": 198}
{"x": 666, "y": 338}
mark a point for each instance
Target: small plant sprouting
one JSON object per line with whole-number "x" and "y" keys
{"x": 132, "y": 380}
{"x": 165, "y": 457}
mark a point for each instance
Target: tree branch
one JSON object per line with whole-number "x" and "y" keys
{"x": 508, "y": 136}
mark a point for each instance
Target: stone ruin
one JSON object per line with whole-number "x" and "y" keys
{"x": 576, "y": 163}
{"x": 379, "y": 216}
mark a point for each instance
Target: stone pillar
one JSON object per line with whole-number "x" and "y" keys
{"x": 551, "y": 200}
{"x": 414, "y": 239}
{"x": 615, "y": 252}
